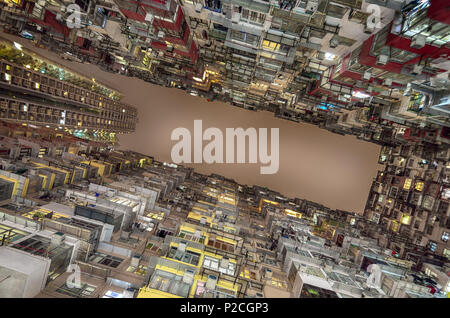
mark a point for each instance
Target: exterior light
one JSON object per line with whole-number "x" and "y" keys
{"x": 330, "y": 56}
{"x": 18, "y": 46}
{"x": 359, "y": 94}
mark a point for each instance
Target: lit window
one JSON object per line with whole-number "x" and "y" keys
{"x": 446, "y": 253}
{"x": 406, "y": 219}
{"x": 445, "y": 236}
{"x": 419, "y": 186}
{"x": 270, "y": 45}
{"x": 407, "y": 184}
{"x": 395, "y": 226}
{"x": 432, "y": 246}
{"x": 330, "y": 56}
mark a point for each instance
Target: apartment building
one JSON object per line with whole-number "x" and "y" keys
{"x": 37, "y": 92}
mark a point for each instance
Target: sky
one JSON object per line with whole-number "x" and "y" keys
{"x": 316, "y": 165}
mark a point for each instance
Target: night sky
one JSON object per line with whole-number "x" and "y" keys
{"x": 315, "y": 164}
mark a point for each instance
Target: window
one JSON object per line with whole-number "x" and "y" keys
{"x": 106, "y": 260}
{"x": 83, "y": 290}
{"x": 418, "y": 240}
{"x": 292, "y": 274}
{"x": 188, "y": 257}
{"x": 244, "y": 37}
{"x": 395, "y": 226}
{"x": 445, "y": 236}
{"x": 406, "y": 219}
{"x": 419, "y": 186}
{"x": 407, "y": 184}
{"x": 446, "y": 253}
{"x": 432, "y": 246}
{"x": 214, "y": 264}
{"x": 169, "y": 283}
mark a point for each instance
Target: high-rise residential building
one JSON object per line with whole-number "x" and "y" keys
{"x": 38, "y": 92}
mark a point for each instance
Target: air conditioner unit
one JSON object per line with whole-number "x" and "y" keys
{"x": 58, "y": 239}
{"x": 418, "y": 41}
{"x": 236, "y": 17}
{"x": 382, "y": 59}
{"x": 268, "y": 273}
{"x": 224, "y": 262}
{"x": 417, "y": 70}
{"x": 188, "y": 276}
{"x": 367, "y": 75}
{"x": 211, "y": 282}
{"x": 181, "y": 247}
{"x": 149, "y": 17}
{"x": 198, "y": 7}
{"x": 161, "y": 34}
{"x": 135, "y": 260}
{"x": 312, "y": 5}
{"x": 387, "y": 82}
{"x": 194, "y": 24}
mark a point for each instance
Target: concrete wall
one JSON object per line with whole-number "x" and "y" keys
{"x": 273, "y": 292}
{"x": 21, "y": 275}
{"x": 112, "y": 249}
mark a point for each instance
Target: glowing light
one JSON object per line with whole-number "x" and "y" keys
{"x": 359, "y": 94}
{"x": 330, "y": 56}
{"x": 18, "y": 46}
